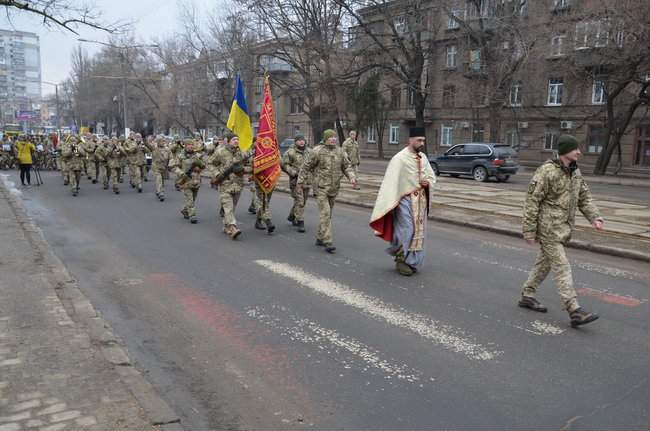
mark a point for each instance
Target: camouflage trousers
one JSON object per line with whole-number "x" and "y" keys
{"x": 75, "y": 178}
{"x": 115, "y": 175}
{"x": 325, "y": 207}
{"x": 136, "y": 174}
{"x": 255, "y": 201}
{"x": 300, "y": 196}
{"x": 104, "y": 174}
{"x": 159, "y": 179}
{"x": 95, "y": 167}
{"x": 229, "y": 203}
{"x": 189, "y": 201}
{"x": 263, "y": 201}
{"x": 552, "y": 256}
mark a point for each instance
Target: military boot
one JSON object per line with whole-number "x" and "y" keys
{"x": 291, "y": 219}
{"x": 301, "y": 226}
{"x": 270, "y": 227}
{"x": 251, "y": 209}
{"x": 532, "y": 303}
{"x": 94, "y": 181}
{"x": 139, "y": 189}
{"x": 193, "y": 220}
{"x": 161, "y": 197}
{"x": 329, "y": 247}
{"x": 186, "y": 215}
{"x": 581, "y": 317}
{"x": 320, "y": 243}
{"x": 259, "y": 224}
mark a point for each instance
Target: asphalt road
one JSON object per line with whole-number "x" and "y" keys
{"x": 519, "y": 182}
{"x": 271, "y": 333}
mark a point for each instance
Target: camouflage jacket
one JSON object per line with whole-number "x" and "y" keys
{"x": 160, "y": 156}
{"x": 351, "y": 148}
{"x": 135, "y": 152}
{"x": 292, "y": 161}
{"x": 101, "y": 152}
{"x": 332, "y": 163}
{"x": 74, "y": 155}
{"x": 115, "y": 155}
{"x": 554, "y": 194}
{"x": 181, "y": 164}
{"x": 223, "y": 158}
{"x": 89, "y": 147}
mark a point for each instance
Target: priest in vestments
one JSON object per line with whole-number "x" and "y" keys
{"x": 403, "y": 201}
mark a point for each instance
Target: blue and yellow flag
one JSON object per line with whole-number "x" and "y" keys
{"x": 239, "y": 121}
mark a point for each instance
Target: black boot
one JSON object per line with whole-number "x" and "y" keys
{"x": 270, "y": 227}
{"x": 532, "y": 303}
{"x": 252, "y": 210}
{"x": 320, "y": 243}
{"x": 291, "y": 219}
{"x": 301, "y": 226}
{"x": 259, "y": 224}
{"x": 581, "y": 317}
{"x": 330, "y": 248}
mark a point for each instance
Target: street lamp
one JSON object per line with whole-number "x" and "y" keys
{"x": 58, "y": 111}
{"x": 124, "y": 78}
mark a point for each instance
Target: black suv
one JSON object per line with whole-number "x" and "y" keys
{"x": 479, "y": 160}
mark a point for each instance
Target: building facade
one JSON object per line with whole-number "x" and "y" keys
{"x": 20, "y": 73}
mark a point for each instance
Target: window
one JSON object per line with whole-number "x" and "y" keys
{"x": 448, "y": 96}
{"x": 447, "y": 136}
{"x": 582, "y": 35}
{"x": 401, "y": 24}
{"x": 602, "y": 33}
{"x": 451, "y": 56}
{"x": 475, "y": 59}
{"x": 515, "y": 94}
{"x": 297, "y": 105}
{"x": 557, "y": 45}
{"x": 512, "y": 138}
{"x": 596, "y": 139}
{"x": 599, "y": 93}
{"x": 395, "y": 98}
{"x": 393, "y": 136}
{"x": 372, "y": 135}
{"x": 562, "y": 4}
{"x": 555, "y": 88}
{"x": 550, "y": 140}
{"x": 478, "y": 132}
{"x": 259, "y": 86}
{"x": 452, "y": 23}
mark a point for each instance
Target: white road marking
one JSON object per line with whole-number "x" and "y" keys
{"x": 546, "y": 328}
{"x": 332, "y": 342}
{"x": 613, "y": 272}
{"x": 450, "y": 338}
{"x": 538, "y": 327}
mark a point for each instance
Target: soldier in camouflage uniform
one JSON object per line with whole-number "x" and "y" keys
{"x": 101, "y": 158}
{"x": 115, "y": 157}
{"x": 135, "y": 150}
{"x": 187, "y": 165}
{"x": 91, "y": 167}
{"x": 351, "y": 148}
{"x": 176, "y": 148}
{"x": 227, "y": 167}
{"x": 74, "y": 156}
{"x": 292, "y": 161}
{"x": 555, "y": 192}
{"x": 160, "y": 154}
{"x": 332, "y": 163}
{"x": 63, "y": 166}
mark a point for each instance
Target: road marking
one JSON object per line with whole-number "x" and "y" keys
{"x": 330, "y": 341}
{"x": 546, "y": 328}
{"x": 613, "y": 272}
{"x": 450, "y": 338}
{"x": 610, "y": 297}
{"x": 10, "y": 185}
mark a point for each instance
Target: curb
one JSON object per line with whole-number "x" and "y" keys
{"x": 577, "y": 244}
{"x": 81, "y": 311}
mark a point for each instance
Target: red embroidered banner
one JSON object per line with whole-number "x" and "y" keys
{"x": 266, "y": 163}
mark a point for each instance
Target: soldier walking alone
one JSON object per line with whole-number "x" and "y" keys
{"x": 555, "y": 192}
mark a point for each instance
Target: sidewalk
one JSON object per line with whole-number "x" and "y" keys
{"x": 627, "y": 225}
{"x": 61, "y": 367}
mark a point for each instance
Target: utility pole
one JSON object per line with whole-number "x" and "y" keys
{"x": 58, "y": 108}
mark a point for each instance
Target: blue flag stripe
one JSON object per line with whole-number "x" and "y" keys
{"x": 239, "y": 96}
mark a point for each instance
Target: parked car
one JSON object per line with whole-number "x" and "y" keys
{"x": 284, "y": 145}
{"x": 477, "y": 159}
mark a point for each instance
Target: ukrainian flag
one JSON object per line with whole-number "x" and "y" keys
{"x": 239, "y": 121}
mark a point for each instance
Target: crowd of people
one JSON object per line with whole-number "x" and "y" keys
{"x": 399, "y": 216}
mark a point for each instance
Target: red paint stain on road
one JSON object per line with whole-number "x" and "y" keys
{"x": 611, "y": 298}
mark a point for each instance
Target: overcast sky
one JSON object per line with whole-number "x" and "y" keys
{"x": 151, "y": 18}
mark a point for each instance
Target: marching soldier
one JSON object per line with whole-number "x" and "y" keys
{"x": 91, "y": 165}
{"x": 187, "y": 165}
{"x": 135, "y": 150}
{"x": 228, "y": 165}
{"x": 292, "y": 161}
{"x": 74, "y": 155}
{"x": 351, "y": 148}
{"x": 555, "y": 192}
{"x": 115, "y": 158}
{"x": 160, "y": 154}
{"x": 101, "y": 159}
{"x": 332, "y": 163}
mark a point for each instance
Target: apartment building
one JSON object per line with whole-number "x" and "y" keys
{"x": 20, "y": 72}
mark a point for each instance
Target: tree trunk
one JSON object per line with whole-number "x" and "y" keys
{"x": 495, "y": 123}
{"x": 606, "y": 155}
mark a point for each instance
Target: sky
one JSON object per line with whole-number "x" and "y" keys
{"x": 151, "y": 19}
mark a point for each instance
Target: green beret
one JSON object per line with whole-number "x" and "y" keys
{"x": 566, "y": 144}
{"x": 329, "y": 133}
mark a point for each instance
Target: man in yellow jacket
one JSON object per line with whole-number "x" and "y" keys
{"x": 25, "y": 150}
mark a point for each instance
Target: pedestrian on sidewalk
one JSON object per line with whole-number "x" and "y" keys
{"x": 555, "y": 192}
{"x": 351, "y": 148}
{"x": 332, "y": 163}
{"x": 403, "y": 202}
{"x": 25, "y": 150}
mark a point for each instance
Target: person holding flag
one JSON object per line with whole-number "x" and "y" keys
{"x": 266, "y": 161}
